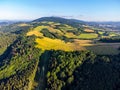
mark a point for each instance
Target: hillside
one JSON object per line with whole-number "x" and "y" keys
{"x": 71, "y": 22}
{"x": 78, "y": 36}
{"x": 55, "y": 53}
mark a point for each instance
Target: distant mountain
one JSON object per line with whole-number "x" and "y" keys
{"x": 114, "y": 26}
{"x": 72, "y": 22}
{"x": 6, "y": 22}
{"x": 105, "y": 23}
{"x": 3, "y": 23}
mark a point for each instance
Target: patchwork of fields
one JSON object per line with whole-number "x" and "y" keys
{"x": 79, "y": 42}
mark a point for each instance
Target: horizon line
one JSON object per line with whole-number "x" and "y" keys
{"x": 28, "y": 19}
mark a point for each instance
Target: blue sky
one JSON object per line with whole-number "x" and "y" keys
{"x": 88, "y": 10}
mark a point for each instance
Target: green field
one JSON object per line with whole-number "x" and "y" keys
{"x": 88, "y": 36}
{"x": 100, "y": 32}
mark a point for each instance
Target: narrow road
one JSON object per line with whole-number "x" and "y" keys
{"x": 43, "y": 70}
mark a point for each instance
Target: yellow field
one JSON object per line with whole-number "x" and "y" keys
{"x": 89, "y": 30}
{"x": 83, "y": 42}
{"x": 70, "y": 35}
{"x": 36, "y": 31}
{"x": 54, "y": 30}
{"x": 23, "y": 24}
{"x": 57, "y": 44}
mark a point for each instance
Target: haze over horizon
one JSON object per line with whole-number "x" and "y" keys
{"x": 87, "y": 10}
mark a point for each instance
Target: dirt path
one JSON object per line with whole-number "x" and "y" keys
{"x": 43, "y": 70}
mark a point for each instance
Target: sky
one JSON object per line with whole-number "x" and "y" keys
{"x": 87, "y": 10}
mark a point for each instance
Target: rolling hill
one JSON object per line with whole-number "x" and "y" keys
{"x": 56, "y": 53}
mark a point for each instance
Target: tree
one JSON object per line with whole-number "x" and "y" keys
{"x": 70, "y": 79}
{"x": 62, "y": 75}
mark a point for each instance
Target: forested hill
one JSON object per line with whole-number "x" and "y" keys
{"x": 54, "y": 53}
{"x": 72, "y": 22}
